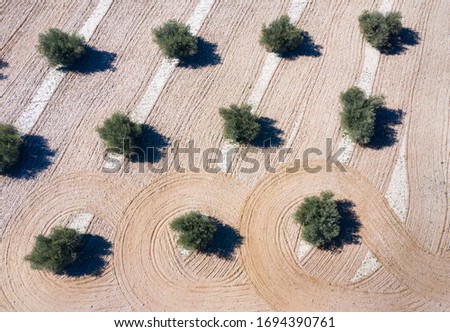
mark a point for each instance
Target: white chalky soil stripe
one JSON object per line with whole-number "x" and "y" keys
{"x": 368, "y": 266}
{"x": 162, "y": 75}
{"x": 81, "y": 222}
{"x": 167, "y": 66}
{"x": 226, "y": 154}
{"x": 271, "y": 63}
{"x": 29, "y": 117}
{"x": 397, "y": 193}
{"x": 365, "y": 82}
{"x": 303, "y": 248}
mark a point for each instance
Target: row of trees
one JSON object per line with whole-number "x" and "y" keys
{"x": 176, "y": 41}
{"x": 240, "y": 126}
{"x": 318, "y": 217}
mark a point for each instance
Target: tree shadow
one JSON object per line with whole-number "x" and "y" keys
{"x": 35, "y": 156}
{"x": 350, "y": 226}
{"x": 307, "y": 48}
{"x": 93, "y": 61}
{"x": 150, "y": 146}
{"x": 225, "y": 241}
{"x": 206, "y": 56}
{"x": 385, "y": 133}
{"x": 398, "y": 43}
{"x": 3, "y": 64}
{"x": 269, "y": 135}
{"x": 91, "y": 258}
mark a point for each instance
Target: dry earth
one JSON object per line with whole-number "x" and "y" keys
{"x": 396, "y": 264}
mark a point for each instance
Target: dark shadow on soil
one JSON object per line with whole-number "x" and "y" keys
{"x": 225, "y": 241}
{"x": 385, "y": 132}
{"x": 350, "y": 226}
{"x": 35, "y": 156}
{"x": 399, "y": 44}
{"x": 269, "y": 135}
{"x": 150, "y": 146}
{"x": 206, "y": 56}
{"x": 91, "y": 258}
{"x": 308, "y": 48}
{"x": 3, "y": 64}
{"x": 93, "y": 61}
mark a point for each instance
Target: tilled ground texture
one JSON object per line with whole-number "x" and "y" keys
{"x": 397, "y": 188}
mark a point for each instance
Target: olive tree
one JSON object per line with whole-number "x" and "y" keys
{"x": 119, "y": 132}
{"x": 358, "y": 115}
{"x": 175, "y": 40}
{"x": 281, "y": 36}
{"x": 61, "y": 48}
{"x": 379, "y": 29}
{"x": 195, "y": 230}
{"x": 240, "y": 124}
{"x": 56, "y": 251}
{"x": 10, "y": 143}
{"x": 319, "y": 219}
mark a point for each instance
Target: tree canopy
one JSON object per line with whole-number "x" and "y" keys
{"x": 195, "y": 230}
{"x": 319, "y": 219}
{"x": 240, "y": 124}
{"x": 175, "y": 40}
{"x": 281, "y": 36}
{"x": 55, "y": 252}
{"x": 61, "y": 48}
{"x": 379, "y": 29}
{"x": 10, "y": 143}
{"x": 358, "y": 115}
{"x": 119, "y": 132}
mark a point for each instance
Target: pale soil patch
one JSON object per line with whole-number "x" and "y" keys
{"x": 88, "y": 29}
{"x": 154, "y": 89}
{"x": 199, "y": 15}
{"x": 226, "y": 154}
{"x": 28, "y": 118}
{"x": 397, "y": 193}
{"x": 270, "y": 65}
{"x": 368, "y": 266}
{"x": 81, "y": 222}
{"x": 296, "y": 9}
{"x": 303, "y": 248}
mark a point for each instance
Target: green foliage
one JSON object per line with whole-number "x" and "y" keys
{"x": 175, "y": 40}
{"x": 61, "y": 48}
{"x": 378, "y": 29}
{"x": 319, "y": 219}
{"x": 358, "y": 117}
{"x": 240, "y": 124}
{"x": 119, "y": 132}
{"x": 196, "y": 230}
{"x": 9, "y": 146}
{"x": 281, "y": 36}
{"x": 55, "y": 252}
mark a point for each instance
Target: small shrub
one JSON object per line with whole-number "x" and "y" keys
{"x": 240, "y": 124}
{"x": 61, "y": 48}
{"x": 10, "y": 143}
{"x": 55, "y": 252}
{"x": 358, "y": 116}
{"x": 319, "y": 219}
{"x": 281, "y": 36}
{"x": 175, "y": 40}
{"x": 196, "y": 230}
{"x": 379, "y": 29}
{"x": 119, "y": 133}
